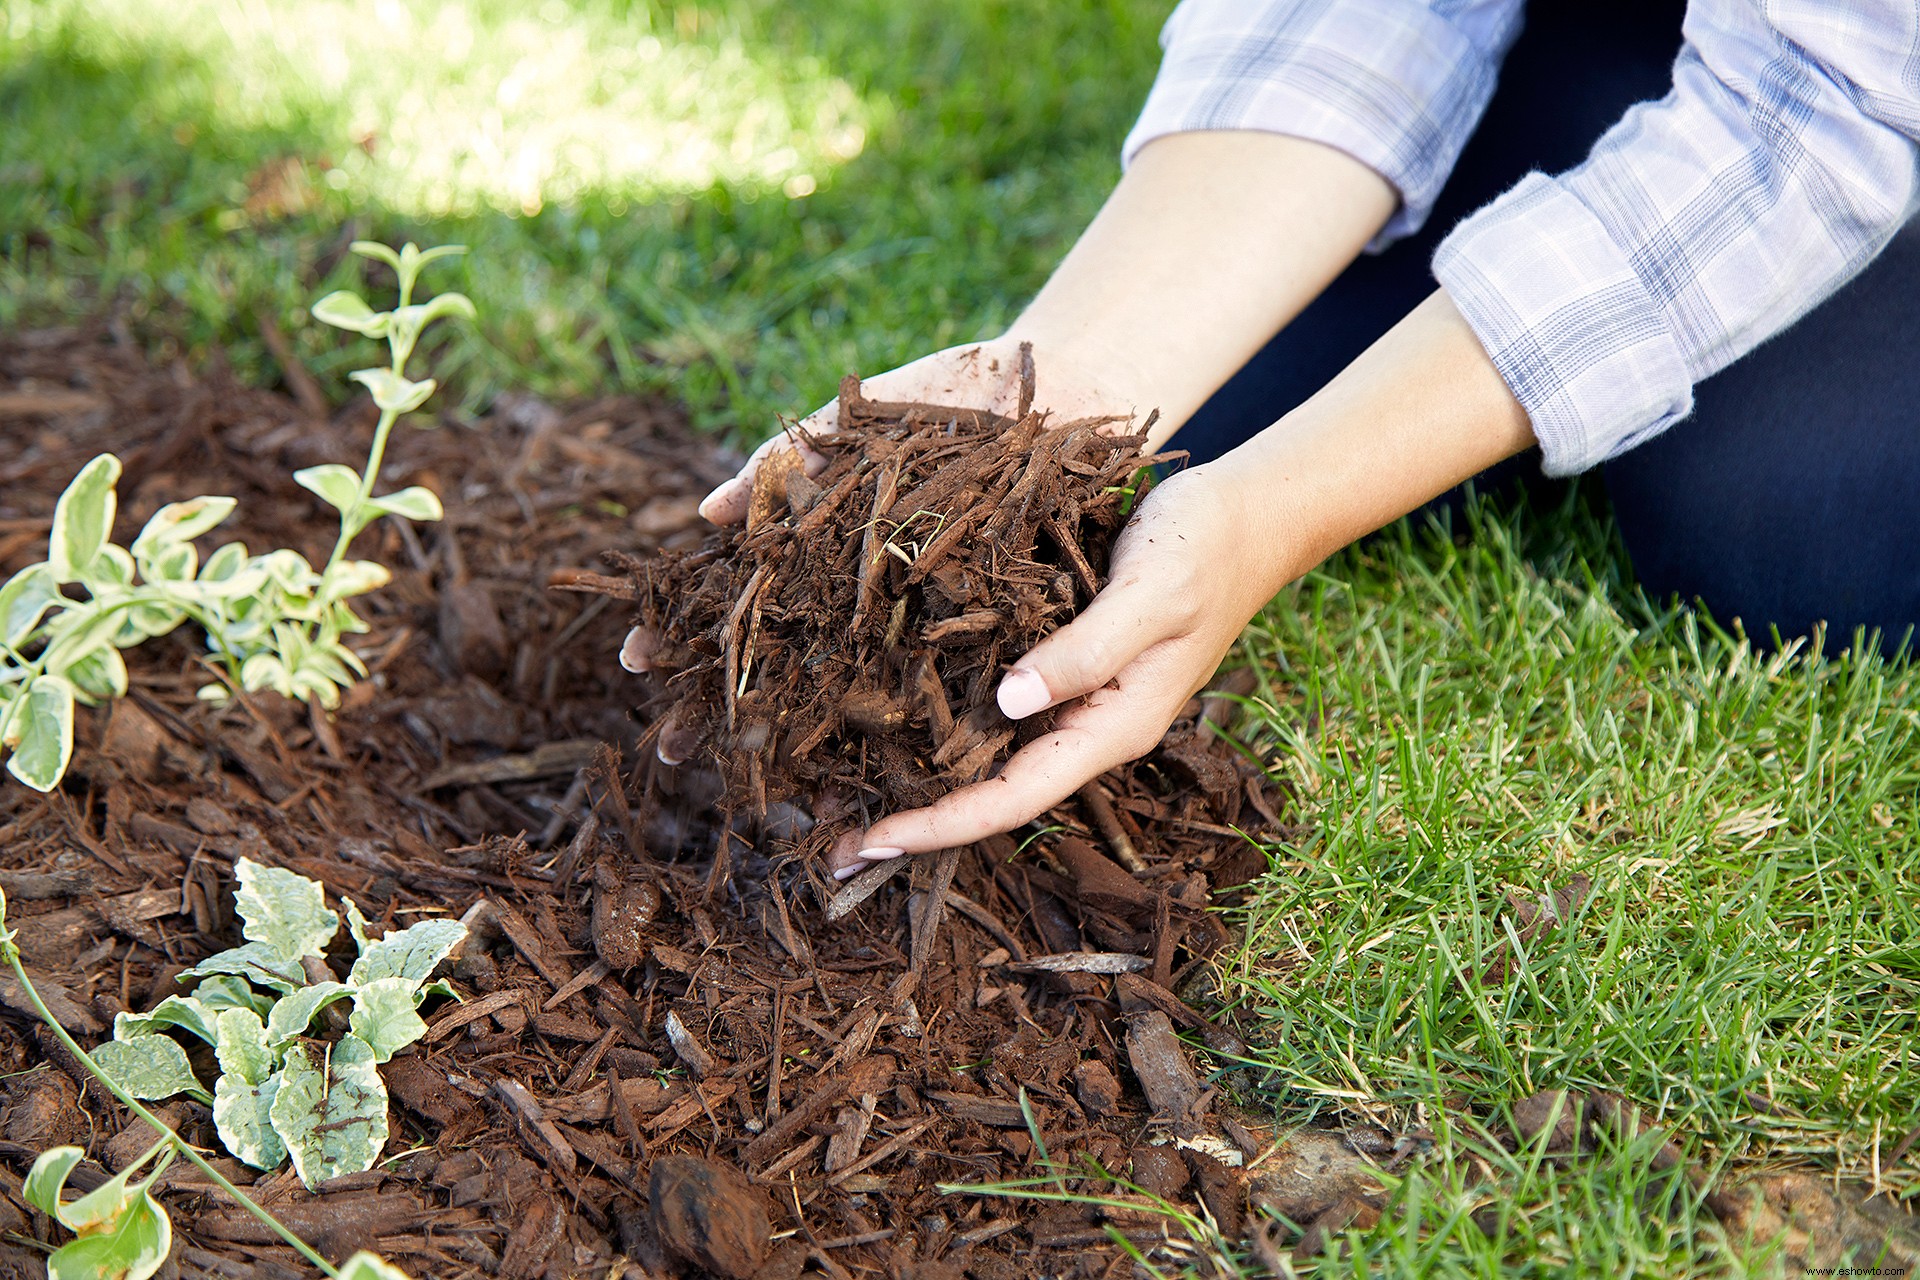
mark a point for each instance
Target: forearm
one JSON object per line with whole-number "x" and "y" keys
{"x": 1207, "y": 247}
{"x": 1420, "y": 411}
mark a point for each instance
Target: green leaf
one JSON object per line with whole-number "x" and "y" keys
{"x": 338, "y": 486}
{"x": 148, "y": 1067}
{"x": 82, "y": 518}
{"x": 331, "y": 1109}
{"x": 241, "y": 1046}
{"x": 370, "y": 1266}
{"x": 282, "y": 909}
{"x": 357, "y": 577}
{"x": 39, "y": 730}
{"x": 189, "y": 1013}
{"x": 48, "y": 1176}
{"x": 257, "y": 962}
{"x": 383, "y": 1016}
{"x": 292, "y": 1014}
{"x": 223, "y": 991}
{"x": 374, "y": 249}
{"x": 411, "y": 953}
{"x": 412, "y": 502}
{"x": 345, "y": 309}
{"x": 100, "y": 675}
{"x": 243, "y": 1113}
{"x": 266, "y": 671}
{"x": 179, "y": 522}
{"x": 134, "y": 1247}
{"x": 25, "y": 600}
{"x": 391, "y": 392}
{"x": 112, "y": 566}
{"x": 357, "y": 926}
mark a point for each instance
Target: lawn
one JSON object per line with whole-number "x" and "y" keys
{"x": 735, "y": 202}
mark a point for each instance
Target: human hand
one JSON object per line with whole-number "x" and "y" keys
{"x": 984, "y": 375}
{"x": 1200, "y": 557}
{"x": 981, "y": 374}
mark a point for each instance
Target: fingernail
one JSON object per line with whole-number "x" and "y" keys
{"x": 718, "y": 496}
{"x": 845, "y": 873}
{"x": 1022, "y": 693}
{"x": 634, "y": 655}
{"x": 879, "y": 853}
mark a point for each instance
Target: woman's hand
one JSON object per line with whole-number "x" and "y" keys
{"x": 1197, "y": 561}
{"x": 982, "y": 375}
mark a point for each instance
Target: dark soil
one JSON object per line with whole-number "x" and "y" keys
{"x": 650, "y": 976}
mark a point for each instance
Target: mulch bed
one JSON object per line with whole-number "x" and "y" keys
{"x": 669, "y": 1061}
{"x": 682, "y": 1050}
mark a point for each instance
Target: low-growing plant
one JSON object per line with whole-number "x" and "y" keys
{"x": 272, "y": 621}
{"x": 121, "y": 1232}
{"x": 279, "y": 1093}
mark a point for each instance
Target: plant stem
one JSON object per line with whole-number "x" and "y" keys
{"x": 180, "y": 1144}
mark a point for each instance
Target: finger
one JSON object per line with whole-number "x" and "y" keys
{"x": 728, "y": 503}
{"x": 1124, "y": 621}
{"x": 1110, "y": 729}
{"x": 844, "y": 859}
{"x": 636, "y": 652}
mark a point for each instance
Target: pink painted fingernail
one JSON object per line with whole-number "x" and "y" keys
{"x": 879, "y": 853}
{"x": 1023, "y": 693}
{"x": 848, "y": 872}
{"x": 636, "y": 654}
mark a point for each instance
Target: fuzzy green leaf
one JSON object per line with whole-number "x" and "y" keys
{"x": 412, "y": 502}
{"x": 292, "y": 1014}
{"x": 383, "y": 1016}
{"x": 282, "y": 909}
{"x": 82, "y": 518}
{"x": 133, "y": 1247}
{"x": 223, "y": 991}
{"x": 377, "y": 251}
{"x": 25, "y": 600}
{"x": 331, "y": 1109}
{"x": 148, "y": 1066}
{"x": 345, "y": 309}
{"x": 256, "y": 962}
{"x": 189, "y": 1013}
{"x": 243, "y": 1113}
{"x": 39, "y": 730}
{"x": 411, "y": 953}
{"x": 391, "y": 392}
{"x": 241, "y": 1046}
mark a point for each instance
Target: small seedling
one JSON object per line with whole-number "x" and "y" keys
{"x": 272, "y": 621}
{"x": 280, "y": 1094}
{"x": 120, "y": 1231}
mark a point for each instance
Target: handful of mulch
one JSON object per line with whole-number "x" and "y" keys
{"x": 842, "y": 649}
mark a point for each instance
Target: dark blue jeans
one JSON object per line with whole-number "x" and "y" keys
{"x": 1792, "y": 495}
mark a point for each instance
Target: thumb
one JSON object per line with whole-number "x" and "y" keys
{"x": 728, "y": 503}
{"x": 1122, "y": 623}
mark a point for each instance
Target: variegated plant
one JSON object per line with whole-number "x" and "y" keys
{"x": 281, "y": 1093}
{"x": 272, "y": 621}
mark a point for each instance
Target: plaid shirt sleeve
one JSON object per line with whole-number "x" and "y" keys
{"x": 1397, "y": 84}
{"x": 1781, "y": 163}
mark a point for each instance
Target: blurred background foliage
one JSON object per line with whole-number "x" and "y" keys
{"x": 733, "y": 202}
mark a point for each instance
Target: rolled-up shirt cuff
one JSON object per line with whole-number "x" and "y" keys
{"x": 1391, "y": 84}
{"x": 1581, "y": 341}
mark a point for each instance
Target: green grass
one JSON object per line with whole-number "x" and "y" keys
{"x": 630, "y": 175}
{"x": 737, "y": 201}
{"x": 1464, "y": 718}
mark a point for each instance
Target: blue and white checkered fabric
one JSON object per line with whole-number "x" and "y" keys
{"x": 1783, "y": 160}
